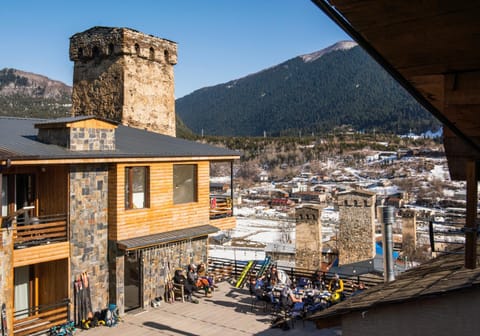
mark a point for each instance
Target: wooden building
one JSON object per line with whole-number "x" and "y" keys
{"x": 86, "y": 195}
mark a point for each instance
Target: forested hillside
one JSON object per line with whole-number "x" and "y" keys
{"x": 343, "y": 86}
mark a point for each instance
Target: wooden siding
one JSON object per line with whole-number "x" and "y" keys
{"x": 52, "y": 190}
{"x": 39, "y": 254}
{"x": 224, "y": 223}
{"x": 162, "y": 215}
{"x": 53, "y": 282}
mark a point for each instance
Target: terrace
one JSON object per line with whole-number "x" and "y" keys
{"x": 228, "y": 312}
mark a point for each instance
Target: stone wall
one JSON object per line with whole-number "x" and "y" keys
{"x": 308, "y": 237}
{"x": 89, "y": 229}
{"x": 156, "y": 263}
{"x": 126, "y": 76}
{"x": 356, "y": 236}
{"x": 79, "y": 139}
{"x": 6, "y": 271}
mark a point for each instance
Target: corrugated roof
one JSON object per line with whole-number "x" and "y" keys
{"x": 18, "y": 140}
{"x": 166, "y": 237}
{"x": 438, "y": 276}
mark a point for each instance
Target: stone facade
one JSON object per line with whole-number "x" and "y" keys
{"x": 79, "y": 138}
{"x": 6, "y": 271}
{"x": 356, "y": 236}
{"x": 156, "y": 262}
{"x": 123, "y": 75}
{"x": 308, "y": 237}
{"x": 89, "y": 229}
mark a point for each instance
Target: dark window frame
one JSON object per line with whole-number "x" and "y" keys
{"x": 194, "y": 176}
{"x": 129, "y": 179}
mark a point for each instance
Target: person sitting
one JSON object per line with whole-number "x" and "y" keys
{"x": 180, "y": 279}
{"x": 319, "y": 280}
{"x": 357, "y": 289}
{"x": 198, "y": 283}
{"x": 272, "y": 277}
{"x": 336, "y": 288}
{"x": 202, "y": 274}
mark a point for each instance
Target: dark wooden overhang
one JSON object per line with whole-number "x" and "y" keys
{"x": 432, "y": 48}
{"x": 166, "y": 237}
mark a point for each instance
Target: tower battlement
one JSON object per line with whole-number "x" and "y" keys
{"x": 106, "y": 42}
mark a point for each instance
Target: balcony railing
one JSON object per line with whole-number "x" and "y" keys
{"x": 220, "y": 206}
{"x": 39, "y": 231}
{"x": 39, "y": 319}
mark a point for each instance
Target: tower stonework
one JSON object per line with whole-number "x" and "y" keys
{"x": 356, "y": 234}
{"x": 126, "y": 76}
{"x": 308, "y": 237}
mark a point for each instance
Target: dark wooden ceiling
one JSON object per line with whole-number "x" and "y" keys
{"x": 432, "y": 47}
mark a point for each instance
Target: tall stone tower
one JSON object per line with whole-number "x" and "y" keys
{"x": 126, "y": 76}
{"x": 356, "y": 234}
{"x": 308, "y": 237}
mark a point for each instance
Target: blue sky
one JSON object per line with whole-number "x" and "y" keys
{"x": 218, "y": 40}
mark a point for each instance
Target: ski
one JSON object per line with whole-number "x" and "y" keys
{"x": 245, "y": 272}
{"x": 264, "y": 266}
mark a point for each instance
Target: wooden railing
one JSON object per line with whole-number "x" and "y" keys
{"x": 40, "y": 231}
{"x": 227, "y": 269}
{"x": 40, "y": 319}
{"x": 220, "y": 206}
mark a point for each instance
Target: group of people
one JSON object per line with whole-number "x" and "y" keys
{"x": 196, "y": 279}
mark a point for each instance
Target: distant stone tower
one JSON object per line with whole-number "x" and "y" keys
{"x": 308, "y": 237}
{"x": 356, "y": 234}
{"x": 126, "y": 76}
{"x": 409, "y": 232}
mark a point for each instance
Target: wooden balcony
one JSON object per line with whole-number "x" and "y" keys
{"x": 40, "y": 319}
{"x": 40, "y": 231}
{"x": 221, "y": 206}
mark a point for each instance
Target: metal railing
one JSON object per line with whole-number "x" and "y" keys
{"x": 39, "y": 231}
{"x": 220, "y": 206}
{"x": 228, "y": 269}
{"x": 40, "y": 318}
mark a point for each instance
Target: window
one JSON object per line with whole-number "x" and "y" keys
{"x": 184, "y": 183}
{"x": 152, "y": 54}
{"x": 136, "y": 188}
{"x": 137, "y": 49}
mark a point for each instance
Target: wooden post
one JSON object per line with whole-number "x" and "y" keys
{"x": 471, "y": 219}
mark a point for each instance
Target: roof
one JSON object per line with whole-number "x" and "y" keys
{"x": 445, "y": 274}
{"x": 18, "y": 141}
{"x": 431, "y": 49}
{"x": 166, "y": 237}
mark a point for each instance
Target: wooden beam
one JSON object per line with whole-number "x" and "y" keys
{"x": 471, "y": 226}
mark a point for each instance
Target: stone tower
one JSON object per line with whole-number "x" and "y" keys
{"x": 126, "y": 76}
{"x": 308, "y": 237}
{"x": 356, "y": 234}
{"x": 409, "y": 232}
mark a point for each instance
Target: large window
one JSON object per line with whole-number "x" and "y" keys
{"x": 136, "y": 188}
{"x": 184, "y": 183}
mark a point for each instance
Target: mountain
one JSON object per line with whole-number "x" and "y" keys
{"x": 336, "y": 86}
{"x": 25, "y": 94}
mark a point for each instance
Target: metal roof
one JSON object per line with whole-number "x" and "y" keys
{"x": 166, "y": 237}
{"x": 18, "y": 141}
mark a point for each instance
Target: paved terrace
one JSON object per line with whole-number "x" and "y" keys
{"x": 228, "y": 313}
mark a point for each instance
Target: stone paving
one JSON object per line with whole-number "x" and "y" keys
{"x": 228, "y": 312}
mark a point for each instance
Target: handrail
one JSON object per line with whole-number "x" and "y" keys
{"x": 224, "y": 269}
{"x": 40, "y": 318}
{"x": 39, "y": 231}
